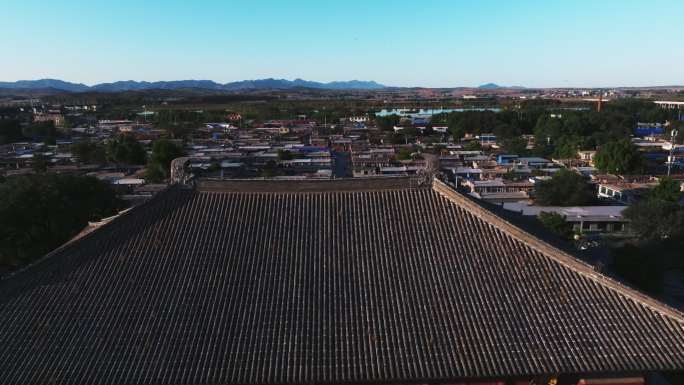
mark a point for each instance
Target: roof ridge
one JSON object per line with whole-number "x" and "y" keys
{"x": 554, "y": 252}
{"x": 310, "y": 185}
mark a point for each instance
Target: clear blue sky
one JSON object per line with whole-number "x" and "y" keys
{"x": 405, "y": 43}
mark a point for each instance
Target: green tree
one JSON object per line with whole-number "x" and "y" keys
{"x": 473, "y": 145}
{"x": 39, "y": 162}
{"x": 566, "y": 147}
{"x": 565, "y": 188}
{"x": 49, "y": 141}
{"x": 397, "y": 139}
{"x": 514, "y": 145}
{"x": 88, "y": 152}
{"x": 285, "y": 155}
{"x": 179, "y": 124}
{"x": 178, "y": 130}
{"x": 514, "y": 176}
{"x": 556, "y": 223}
{"x": 40, "y": 212}
{"x": 404, "y": 154}
{"x": 387, "y": 123}
{"x": 659, "y": 216}
{"x": 548, "y": 130}
{"x": 654, "y": 219}
{"x": 214, "y": 167}
{"x": 125, "y": 149}
{"x": 10, "y": 131}
{"x": 639, "y": 266}
{"x": 668, "y": 190}
{"x": 438, "y": 120}
{"x": 270, "y": 169}
{"x": 472, "y": 122}
{"x": 409, "y": 131}
{"x": 163, "y": 153}
{"x": 457, "y": 132}
{"x": 40, "y": 130}
{"x": 506, "y": 131}
{"x": 618, "y": 157}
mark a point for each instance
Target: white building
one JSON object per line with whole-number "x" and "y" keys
{"x": 582, "y": 218}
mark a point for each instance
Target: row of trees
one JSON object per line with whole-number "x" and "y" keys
{"x": 559, "y": 126}
{"x": 563, "y": 133}
{"x": 12, "y": 131}
{"x": 125, "y": 149}
{"x": 558, "y": 132}
{"x": 567, "y": 188}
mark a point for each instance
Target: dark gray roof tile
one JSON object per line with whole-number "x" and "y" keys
{"x": 357, "y": 285}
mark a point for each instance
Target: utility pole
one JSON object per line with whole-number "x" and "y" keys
{"x": 673, "y": 136}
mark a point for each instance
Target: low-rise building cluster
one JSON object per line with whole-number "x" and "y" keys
{"x": 234, "y": 147}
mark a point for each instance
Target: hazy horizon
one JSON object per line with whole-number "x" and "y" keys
{"x": 349, "y": 80}
{"x": 436, "y": 44}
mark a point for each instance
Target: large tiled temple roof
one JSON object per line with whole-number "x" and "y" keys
{"x": 320, "y": 282}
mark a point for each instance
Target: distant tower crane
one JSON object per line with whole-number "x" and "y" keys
{"x": 599, "y": 101}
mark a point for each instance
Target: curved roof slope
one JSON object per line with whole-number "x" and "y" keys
{"x": 236, "y": 287}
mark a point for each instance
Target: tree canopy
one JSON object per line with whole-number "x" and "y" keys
{"x": 472, "y": 122}
{"x": 125, "y": 149}
{"x": 40, "y": 130}
{"x": 657, "y": 221}
{"x": 39, "y": 162}
{"x": 659, "y": 216}
{"x": 473, "y": 145}
{"x": 565, "y": 188}
{"x": 639, "y": 266}
{"x": 10, "y": 131}
{"x": 668, "y": 190}
{"x": 163, "y": 153}
{"x": 285, "y": 155}
{"x": 618, "y": 157}
{"x": 556, "y": 223}
{"x": 387, "y": 123}
{"x": 404, "y": 154}
{"x": 559, "y": 131}
{"x": 88, "y": 152}
{"x": 514, "y": 145}
{"x": 40, "y": 212}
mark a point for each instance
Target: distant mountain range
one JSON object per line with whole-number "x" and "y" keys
{"x": 489, "y": 86}
{"x": 45, "y": 84}
{"x": 55, "y": 86}
{"x": 130, "y": 85}
{"x": 494, "y": 86}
